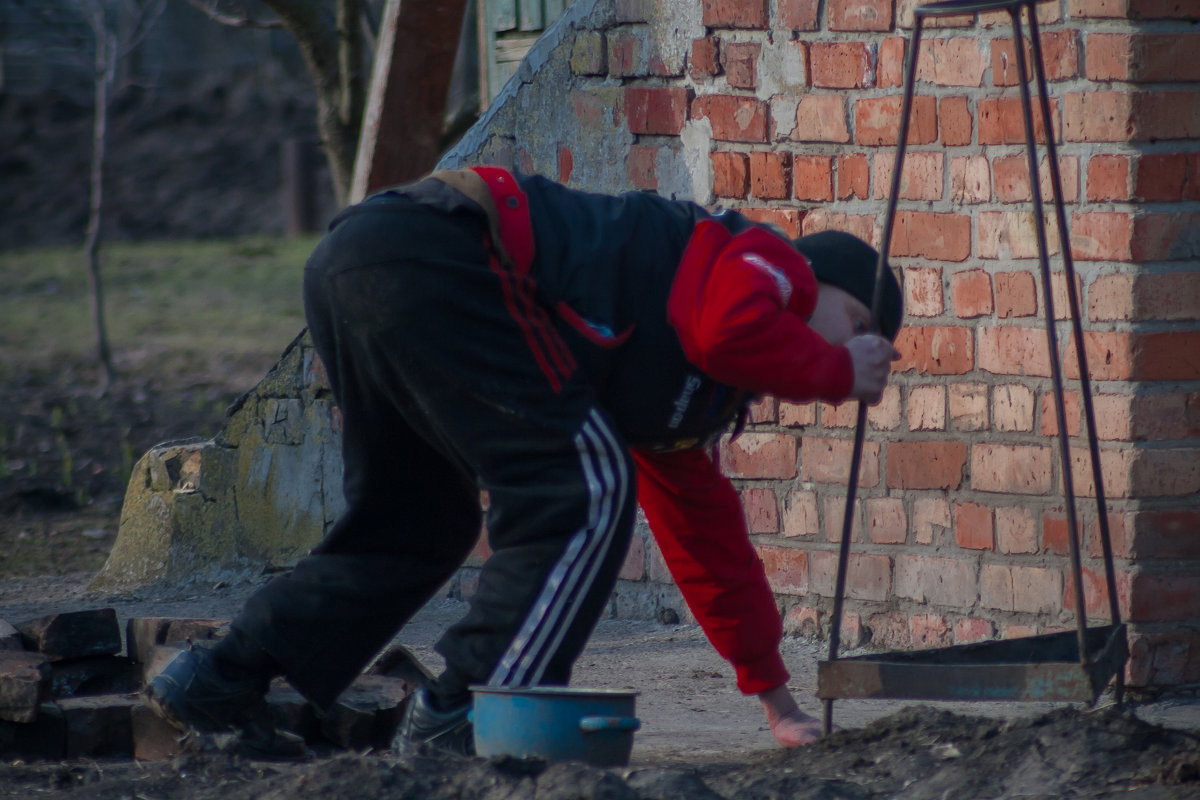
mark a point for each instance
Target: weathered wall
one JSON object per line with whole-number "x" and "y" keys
{"x": 788, "y": 110}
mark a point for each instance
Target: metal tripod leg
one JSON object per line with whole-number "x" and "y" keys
{"x": 1014, "y": 7}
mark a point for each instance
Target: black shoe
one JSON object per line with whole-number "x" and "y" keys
{"x": 423, "y": 724}
{"x": 193, "y": 695}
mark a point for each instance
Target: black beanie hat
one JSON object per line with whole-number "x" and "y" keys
{"x": 847, "y": 262}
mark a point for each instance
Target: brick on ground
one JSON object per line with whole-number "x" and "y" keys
{"x": 154, "y": 739}
{"x": 73, "y": 634}
{"x": 10, "y": 637}
{"x": 144, "y": 633}
{"x": 94, "y": 675}
{"x": 23, "y": 684}
{"x": 100, "y": 725}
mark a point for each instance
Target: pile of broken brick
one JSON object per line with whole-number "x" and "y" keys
{"x": 70, "y": 688}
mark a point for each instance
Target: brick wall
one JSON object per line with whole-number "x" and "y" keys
{"x": 788, "y": 110}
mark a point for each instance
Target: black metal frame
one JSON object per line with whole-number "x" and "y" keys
{"x": 974, "y": 672}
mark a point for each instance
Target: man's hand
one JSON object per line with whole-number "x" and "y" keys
{"x": 872, "y": 356}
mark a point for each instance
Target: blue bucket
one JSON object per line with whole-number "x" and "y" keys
{"x": 555, "y": 723}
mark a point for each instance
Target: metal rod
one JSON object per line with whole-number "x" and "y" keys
{"x": 1051, "y": 332}
{"x": 1085, "y": 389}
{"x": 835, "y": 628}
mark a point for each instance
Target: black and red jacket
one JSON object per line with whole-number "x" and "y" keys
{"x": 678, "y": 316}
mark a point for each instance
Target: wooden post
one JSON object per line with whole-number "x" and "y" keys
{"x": 406, "y": 107}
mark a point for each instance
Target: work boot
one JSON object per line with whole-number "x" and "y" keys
{"x": 423, "y": 723}
{"x": 194, "y": 696}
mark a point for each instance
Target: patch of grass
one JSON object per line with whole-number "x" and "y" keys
{"x": 184, "y": 303}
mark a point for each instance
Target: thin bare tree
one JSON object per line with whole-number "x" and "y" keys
{"x": 334, "y": 38}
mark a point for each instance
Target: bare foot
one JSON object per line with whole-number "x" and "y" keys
{"x": 795, "y": 729}
{"x": 790, "y": 726}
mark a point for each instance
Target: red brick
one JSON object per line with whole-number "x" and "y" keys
{"x": 971, "y": 293}
{"x": 1037, "y": 590}
{"x": 789, "y": 220}
{"x": 955, "y": 120}
{"x": 969, "y": 630}
{"x": 1015, "y": 530}
{"x": 885, "y": 415}
{"x": 1166, "y": 115}
{"x": 1164, "y": 9}
{"x": 1097, "y": 116}
{"x": 760, "y": 455}
{"x": 1011, "y": 235}
{"x": 764, "y": 409}
{"x": 800, "y": 515}
{"x": 869, "y": 577}
{"x": 968, "y": 406}
{"x": 656, "y": 111}
{"x": 948, "y": 582}
{"x": 923, "y": 291}
{"x": 859, "y": 15}
{"x": 1060, "y": 53}
{"x": 734, "y": 13}
{"x": 931, "y": 519}
{"x": 633, "y": 568}
{"x": 1156, "y": 417}
{"x": 877, "y": 121}
{"x": 740, "y": 60}
{"x": 853, "y": 177}
{"x": 935, "y": 350}
{"x": 588, "y": 54}
{"x": 826, "y": 460}
{"x": 770, "y": 175}
{"x": 1166, "y": 533}
{"x": 970, "y": 179}
{"x": 802, "y": 621}
{"x": 1016, "y": 295}
{"x": 1056, "y": 533}
{"x": 731, "y": 174}
{"x": 813, "y": 178}
{"x": 593, "y": 110}
{"x": 1101, "y": 236}
{"x": 798, "y": 15}
{"x": 640, "y": 167}
{"x": 927, "y": 408}
{"x": 930, "y": 630}
{"x": 886, "y": 521}
{"x": 841, "y": 415}
{"x": 786, "y": 567}
{"x": 1165, "y": 237}
{"x": 840, "y": 65}
{"x": 973, "y": 526}
{"x": 1173, "y": 472}
{"x": 1160, "y": 356}
{"x": 925, "y": 465}
{"x": 889, "y": 66}
{"x": 1164, "y": 57}
{"x": 1002, "y": 121}
{"x": 733, "y": 119}
{"x": 1013, "y": 469}
{"x": 1014, "y": 351}
{"x": 933, "y": 235}
{"x": 1013, "y": 408}
{"x": 761, "y": 510}
{"x": 921, "y": 178}
{"x": 953, "y": 61}
{"x": 861, "y": 225}
{"x": 1110, "y": 298}
{"x": 1164, "y": 598}
{"x": 797, "y": 414}
{"x": 821, "y": 118}
{"x": 834, "y": 519}
{"x": 626, "y": 58}
{"x": 705, "y": 59}
{"x": 1166, "y": 296}
{"x": 1108, "y": 178}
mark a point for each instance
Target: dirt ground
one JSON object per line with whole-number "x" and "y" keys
{"x": 699, "y": 740}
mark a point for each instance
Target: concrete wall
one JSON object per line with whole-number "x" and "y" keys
{"x": 788, "y": 110}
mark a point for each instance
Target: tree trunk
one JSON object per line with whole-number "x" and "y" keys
{"x": 105, "y": 69}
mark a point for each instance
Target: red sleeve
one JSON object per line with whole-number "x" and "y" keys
{"x": 740, "y": 304}
{"x": 697, "y": 521}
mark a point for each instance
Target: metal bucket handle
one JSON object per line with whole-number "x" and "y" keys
{"x": 598, "y": 724}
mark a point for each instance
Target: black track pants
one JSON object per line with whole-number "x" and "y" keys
{"x": 451, "y": 378}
